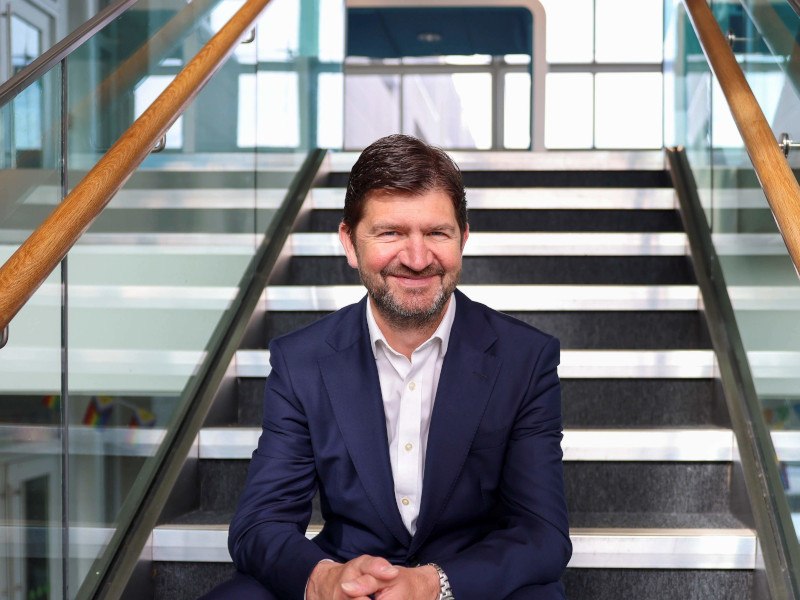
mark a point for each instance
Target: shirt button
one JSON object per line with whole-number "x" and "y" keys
{"x": 405, "y": 501}
{"x": 409, "y": 446}
{"x": 411, "y": 386}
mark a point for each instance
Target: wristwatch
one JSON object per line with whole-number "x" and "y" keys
{"x": 445, "y": 593}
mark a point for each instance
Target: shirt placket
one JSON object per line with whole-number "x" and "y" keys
{"x": 408, "y": 448}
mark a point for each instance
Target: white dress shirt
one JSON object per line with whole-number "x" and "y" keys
{"x": 408, "y": 388}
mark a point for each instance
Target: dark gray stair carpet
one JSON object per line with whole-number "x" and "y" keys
{"x": 586, "y": 270}
{"x": 588, "y": 403}
{"x": 672, "y": 487}
{"x": 657, "y": 584}
{"x": 532, "y": 179}
{"x": 187, "y": 581}
{"x": 590, "y": 330}
{"x": 642, "y": 403}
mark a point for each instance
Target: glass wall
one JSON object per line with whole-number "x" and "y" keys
{"x": 762, "y": 282}
{"x": 152, "y": 283}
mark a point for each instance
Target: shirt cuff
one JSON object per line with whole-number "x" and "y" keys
{"x": 305, "y": 592}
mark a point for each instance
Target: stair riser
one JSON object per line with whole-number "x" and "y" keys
{"x": 610, "y": 330}
{"x": 588, "y": 403}
{"x": 619, "y": 487}
{"x": 587, "y": 270}
{"x": 651, "y": 584}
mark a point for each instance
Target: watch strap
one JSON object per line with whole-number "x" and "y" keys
{"x": 445, "y": 591}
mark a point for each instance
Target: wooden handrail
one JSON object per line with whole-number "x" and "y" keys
{"x": 776, "y": 178}
{"x": 35, "y": 259}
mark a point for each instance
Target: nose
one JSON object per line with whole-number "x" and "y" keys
{"x": 416, "y": 255}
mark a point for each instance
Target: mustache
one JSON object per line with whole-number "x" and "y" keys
{"x": 400, "y": 271}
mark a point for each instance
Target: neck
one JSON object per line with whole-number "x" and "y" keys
{"x": 406, "y": 339}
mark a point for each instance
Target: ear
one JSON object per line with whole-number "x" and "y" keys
{"x": 347, "y": 244}
{"x": 464, "y": 237}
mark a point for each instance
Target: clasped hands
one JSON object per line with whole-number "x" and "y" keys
{"x": 368, "y": 577}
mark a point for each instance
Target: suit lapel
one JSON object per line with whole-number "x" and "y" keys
{"x": 466, "y": 382}
{"x": 351, "y": 379}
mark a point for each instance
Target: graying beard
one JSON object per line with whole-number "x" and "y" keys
{"x": 402, "y": 318}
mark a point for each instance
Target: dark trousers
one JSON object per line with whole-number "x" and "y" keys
{"x": 244, "y": 587}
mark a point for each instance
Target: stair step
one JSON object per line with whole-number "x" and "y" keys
{"x": 509, "y": 297}
{"x": 526, "y": 244}
{"x": 575, "y": 364}
{"x": 587, "y": 403}
{"x": 654, "y": 445}
{"x": 582, "y": 329}
{"x": 592, "y": 548}
{"x": 483, "y": 270}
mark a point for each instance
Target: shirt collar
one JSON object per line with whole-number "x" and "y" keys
{"x": 442, "y": 332}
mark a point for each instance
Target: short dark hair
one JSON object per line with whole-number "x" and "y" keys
{"x": 401, "y": 163}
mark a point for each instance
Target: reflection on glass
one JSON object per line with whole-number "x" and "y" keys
{"x": 145, "y": 94}
{"x": 273, "y": 93}
{"x": 568, "y": 110}
{"x": 26, "y": 43}
{"x": 30, "y": 365}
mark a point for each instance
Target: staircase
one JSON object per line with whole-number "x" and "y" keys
{"x": 588, "y": 247}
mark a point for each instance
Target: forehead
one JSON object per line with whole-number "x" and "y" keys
{"x": 430, "y": 204}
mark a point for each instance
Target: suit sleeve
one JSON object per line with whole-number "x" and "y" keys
{"x": 267, "y": 535}
{"x": 531, "y": 545}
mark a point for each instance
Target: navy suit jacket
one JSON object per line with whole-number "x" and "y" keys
{"x": 492, "y": 514}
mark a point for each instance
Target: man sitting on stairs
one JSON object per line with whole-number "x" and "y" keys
{"x": 429, "y": 424}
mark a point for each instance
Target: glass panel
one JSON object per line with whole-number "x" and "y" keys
{"x": 629, "y": 32}
{"x": 762, "y": 281}
{"x": 570, "y": 31}
{"x": 275, "y": 93}
{"x": 517, "y": 111}
{"x": 453, "y": 111}
{"x": 30, "y": 365}
{"x": 26, "y": 43}
{"x": 628, "y": 109}
{"x": 366, "y": 121}
{"x": 569, "y": 110}
{"x": 153, "y": 280}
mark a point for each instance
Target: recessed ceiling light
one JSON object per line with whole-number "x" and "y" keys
{"x": 429, "y": 37}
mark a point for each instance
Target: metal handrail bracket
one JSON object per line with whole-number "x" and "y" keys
{"x": 4, "y": 337}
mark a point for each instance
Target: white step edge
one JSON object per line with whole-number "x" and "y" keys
{"x": 503, "y": 297}
{"x": 575, "y": 364}
{"x": 592, "y": 548}
{"x": 508, "y": 297}
{"x": 537, "y": 198}
{"x": 527, "y": 244}
{"x": 523, "y": 160}
{"x": 679, "y": 445}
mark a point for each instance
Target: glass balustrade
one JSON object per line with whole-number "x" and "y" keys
{"x": 762, "y": 281}
{"x": 152, "y": 280}
{"x": 31, "y": 436}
